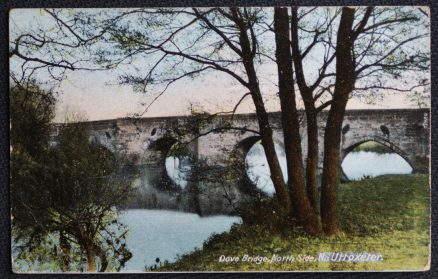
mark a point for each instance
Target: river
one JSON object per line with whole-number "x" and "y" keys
{"x": 165, "y": 234}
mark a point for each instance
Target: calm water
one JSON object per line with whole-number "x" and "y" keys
{"x": 166, "y": 234}
{"x": 359, "y": 164}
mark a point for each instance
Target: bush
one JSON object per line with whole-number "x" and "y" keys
{"x": 266, "y": 211}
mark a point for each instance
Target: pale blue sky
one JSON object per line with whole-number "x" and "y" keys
{"x": 90, "y": 94}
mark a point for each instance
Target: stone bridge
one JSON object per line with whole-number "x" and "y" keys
{"x": 145, "y": 142}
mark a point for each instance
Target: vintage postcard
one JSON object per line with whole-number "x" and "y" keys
{"x": 220, "y": 139}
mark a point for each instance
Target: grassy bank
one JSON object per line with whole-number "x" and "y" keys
{"x": 372, "y": 146}
{"x": 387, "y": 215}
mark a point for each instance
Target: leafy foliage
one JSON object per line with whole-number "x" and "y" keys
{"x": 31, "y": 110}
{"x": 69, "y": 190}
{"x": 265, "y": 210}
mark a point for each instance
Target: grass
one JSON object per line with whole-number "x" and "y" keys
{"x": 372, "y": 146}
{"x": 387, "y": 215}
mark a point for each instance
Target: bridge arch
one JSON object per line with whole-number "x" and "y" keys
{"x": 179, "y": 163}
{"x": 257, "y": 173}
{"x": 247, "y": 143}
{"x": 174, "y": 160}
{"x": 162, "y": 144}
{"x": 385, "y": 142}
{"x": 377, "y": 139}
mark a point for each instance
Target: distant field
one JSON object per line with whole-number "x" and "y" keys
{"x": 372, "y": 146}
{"x": 387, "y": 215}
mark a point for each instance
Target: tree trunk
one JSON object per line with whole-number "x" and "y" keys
{"x": 90, "y": 257}
{"x": 312, "y": 157}
{"x": 271, "y": 155}
{"x": 303, "y": 209}
{"x": 311, "y": 114}
{"x": 330, "y": 176}
{"x": 262, "y": 115}
{"x": 332, "y": 138}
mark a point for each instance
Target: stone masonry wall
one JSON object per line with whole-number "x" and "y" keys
{"x": 406, "y": 131}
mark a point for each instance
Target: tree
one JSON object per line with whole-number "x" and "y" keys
{"x": 343, "y": 87}
{"x": 375, "y": 44}
{"x": 69, "y": 190}
{"x": 307, "y": 91}
{"x": 367, "y": 69}
{"x": 361, "y": 65}
{"x": 303, "y": 209}
{"x": 31, "y": 110}
{"x": 83, "y": 191}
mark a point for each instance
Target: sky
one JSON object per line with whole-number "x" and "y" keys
{"x": 90, "y": 96}
{"x": 97, "y": 96}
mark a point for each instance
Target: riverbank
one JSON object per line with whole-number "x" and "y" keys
{"x": 372, "y": 146}
{"x": 386, "y": 217}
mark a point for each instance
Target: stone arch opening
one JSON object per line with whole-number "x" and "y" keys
{"x": 371, "y": 157}
{"x": 179, "y": 163}
{"x": 162, "y": 144}
{"x": 245, "y": 145}
{"x": 256, "y": 166}
{"x": 169, "y": 162}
